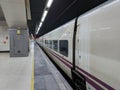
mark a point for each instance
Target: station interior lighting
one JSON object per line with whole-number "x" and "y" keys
{"x": 44, "y": 15}
{"x": 49, "y": 3}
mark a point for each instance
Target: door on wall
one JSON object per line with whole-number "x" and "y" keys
{"x": 18, "y": 43}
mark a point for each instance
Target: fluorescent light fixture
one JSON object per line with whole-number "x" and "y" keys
{"x": 49, "y": 3}
{"x": 40, "y": 24}
{"x": 37, "y": 30}
{"x": 39, "y": 27}
{"x": 44, "y": 15}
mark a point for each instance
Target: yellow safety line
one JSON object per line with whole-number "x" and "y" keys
{"x": 32, "y": 79}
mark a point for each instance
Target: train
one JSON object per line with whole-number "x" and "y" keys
{"x": 87, "y": 48}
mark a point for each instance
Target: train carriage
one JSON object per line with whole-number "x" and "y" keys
{"x": 87, "y": 48}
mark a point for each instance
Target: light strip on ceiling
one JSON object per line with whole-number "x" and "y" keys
{"x": 49, "y": 3}
{"x": 40, "y": 24}
{"x": 39, "y": 27}
{"x": 44, "y": 15}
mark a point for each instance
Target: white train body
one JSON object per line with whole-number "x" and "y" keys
{"x": 97, "y": 50}
{"x": 4, "y": 39}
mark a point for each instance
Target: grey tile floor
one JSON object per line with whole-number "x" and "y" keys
{"x": 47, "y": 77}
{"x": 16, "y": 72}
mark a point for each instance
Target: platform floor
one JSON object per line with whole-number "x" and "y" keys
{"x": 47, "y": 77}
{"x": 16, "y": 72}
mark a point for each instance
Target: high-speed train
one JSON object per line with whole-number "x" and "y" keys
{"x": 87, "y": 48}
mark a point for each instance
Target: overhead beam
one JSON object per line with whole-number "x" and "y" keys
{"x": 14, "y": 12}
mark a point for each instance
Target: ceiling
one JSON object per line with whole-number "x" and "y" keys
{"x": 60, "y": 12}
{"x": 14, "y": 13}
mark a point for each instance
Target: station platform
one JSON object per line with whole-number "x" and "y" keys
{"x": 35, "y": 72}
{"x": 16, "y": 72}
{"x": 47, "y": 77}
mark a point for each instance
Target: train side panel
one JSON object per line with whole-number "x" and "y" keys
{"x": 61, "y": 34}
{"x": 97, "y": 47}
{"x": 99, "y": 41}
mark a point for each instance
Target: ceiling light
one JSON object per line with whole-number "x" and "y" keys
{"x": 49, "y": 3}
{"x": 40, "y": 24}
{"x": 39, "y": 27}
{"x": 44, "y": 15}
{"x": 37, "y": 31}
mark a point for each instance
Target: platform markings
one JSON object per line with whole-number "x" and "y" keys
{"x": 32, "y": 79}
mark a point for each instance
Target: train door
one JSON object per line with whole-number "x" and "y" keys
{"x": 83, "y": 48}
{"x": 77, "y": 50}
{"x": 78, "y": 78}
{"x": 82, "y": 45}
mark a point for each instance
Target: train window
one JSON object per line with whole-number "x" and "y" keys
{"x": 50, "y": 44}
{"x": 55, "y": 45}
{"x": 46, "y": 42}
{"x": 64, "y": 47}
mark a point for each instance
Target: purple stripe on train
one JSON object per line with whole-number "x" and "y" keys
{"x": 87, "y": 79}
